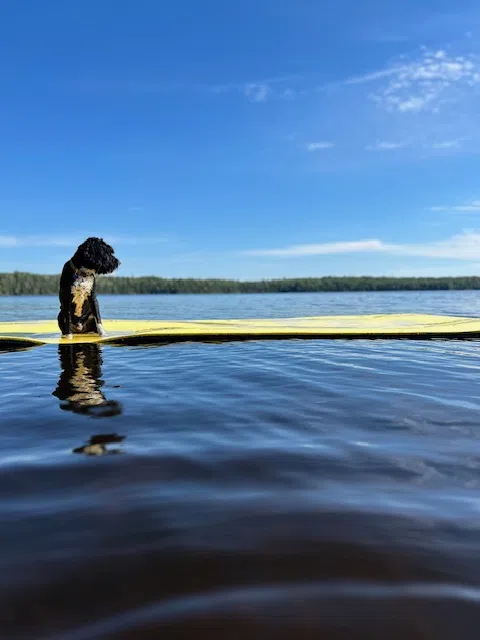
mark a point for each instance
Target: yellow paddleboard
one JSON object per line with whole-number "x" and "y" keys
{"x": 150, "y": 331}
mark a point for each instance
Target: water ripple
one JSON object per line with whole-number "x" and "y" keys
{"x": 296, "y": 489}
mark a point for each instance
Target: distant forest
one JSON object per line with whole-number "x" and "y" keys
{"x": 18, "y": 284}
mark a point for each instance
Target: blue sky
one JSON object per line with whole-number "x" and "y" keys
{"x": 252, "y": 139}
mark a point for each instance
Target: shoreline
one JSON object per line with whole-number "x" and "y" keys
{"x": 29, "y": 284}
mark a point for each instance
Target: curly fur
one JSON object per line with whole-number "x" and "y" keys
{"x": 96, "y": 254}
{"x": 79, "y": 309}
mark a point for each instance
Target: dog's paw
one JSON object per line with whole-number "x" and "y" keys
{"x": 68, "y": 336}
{"x": 101, "y": 331}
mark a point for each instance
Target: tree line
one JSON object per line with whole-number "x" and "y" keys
{"x": 19, "y": 283}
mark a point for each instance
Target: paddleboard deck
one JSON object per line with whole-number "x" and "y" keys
{"x": 391, "y": 326}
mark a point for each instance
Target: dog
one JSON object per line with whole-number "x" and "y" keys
{"x": 79, "y": 309}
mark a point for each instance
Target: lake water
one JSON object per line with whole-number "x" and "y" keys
{"x": 296, "y": 489}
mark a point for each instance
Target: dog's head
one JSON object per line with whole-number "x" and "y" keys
{"x": 96, "y": 254}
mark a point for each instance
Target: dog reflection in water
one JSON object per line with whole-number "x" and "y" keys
{"x": 80, "y": 390}
{"x": 97, "y": 445}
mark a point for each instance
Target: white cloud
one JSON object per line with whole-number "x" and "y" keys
{"x": 422, "y": 84}
{"x": 257, "y": 92}
{"x": 317, "y": 146}
{"x": 35, "y": 241}
{"x": 319, "y": 249}
{"x": 468, "y": 207}
{"x": 426, "y": 83}
{"x": 374, "y": 75}
{"x": 465, "y": 246}
{"x": 386, "y": 146}
{"x": 74, "y": 241}
{"x": 428, "y": 101}
{"x": 8, "y": 241}
{"x": 288, "y": 93}
{"x": 447, "y": 144}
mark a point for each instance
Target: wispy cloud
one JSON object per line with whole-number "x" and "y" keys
{"x": 318, "y": 146}
{"x": 281, "y": 87}
{"x": 385, "y": 145}
{"x": 35, "y": 241}
{"x": 468, "y": 207}
{"x": 447, "y": 144}
{"x": 10, "y": 241}
{"x": 258, "y": 91}
{"x": 373, "y": 76}
{"x": 426, "y": 83}
{"x": 425, "y": 101}
{"x": 326, "y": 248}
{"x": 465, "y": 246}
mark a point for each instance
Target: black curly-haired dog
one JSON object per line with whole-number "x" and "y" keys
{"x": 79, "y": 310}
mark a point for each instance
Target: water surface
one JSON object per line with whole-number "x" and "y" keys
{"x": 297, "y": 489}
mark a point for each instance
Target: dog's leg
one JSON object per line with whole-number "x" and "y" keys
{"x": 96, "y": 313}
{"x": 61, "y": 322}
{"x": 68, "y": 323}
{"x": 65, "y": 318}
{"x": 65, "y": 299}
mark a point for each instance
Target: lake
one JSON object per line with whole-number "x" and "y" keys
{"x": 281, "y": 489}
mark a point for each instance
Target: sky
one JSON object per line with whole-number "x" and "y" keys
{"x": 243, "y": 139}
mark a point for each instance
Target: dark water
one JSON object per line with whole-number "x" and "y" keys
{"x": 299, "y": 489}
